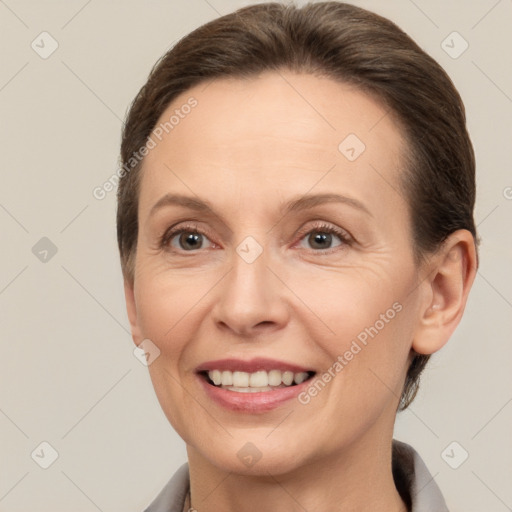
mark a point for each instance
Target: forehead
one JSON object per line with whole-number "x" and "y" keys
{"x": 275, "y": 133}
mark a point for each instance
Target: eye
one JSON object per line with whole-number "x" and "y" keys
{"x": 324, "y": 237}
{"x": 185, "y": 238}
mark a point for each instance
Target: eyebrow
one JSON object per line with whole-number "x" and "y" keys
{"x": 302, "y": 203}
{"x": 310, "y": 201}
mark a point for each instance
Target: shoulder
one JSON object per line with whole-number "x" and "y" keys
{"x": 172, "y": 497}
{"x": 412, "y": 479}
{"x": 414, "y": 482}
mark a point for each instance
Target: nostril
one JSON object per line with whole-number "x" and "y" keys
{"x": 265, "y": 322}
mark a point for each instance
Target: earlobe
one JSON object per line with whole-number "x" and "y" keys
{"x": 131, "y": 309}
{"x": 451, "y": 276}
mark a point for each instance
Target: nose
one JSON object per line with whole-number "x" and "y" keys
{"x": 251, "y": 299}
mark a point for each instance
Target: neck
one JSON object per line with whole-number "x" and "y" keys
{"x": 356, "y": 479}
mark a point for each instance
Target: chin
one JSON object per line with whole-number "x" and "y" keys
{"x": 274, "y": 463}
{"x": 253, "y": 453}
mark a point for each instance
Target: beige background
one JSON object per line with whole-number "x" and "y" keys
{"x": 68, "y": 373}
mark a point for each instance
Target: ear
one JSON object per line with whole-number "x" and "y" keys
{"x": 131, "y": 309}
{"x": 450, "y": 275}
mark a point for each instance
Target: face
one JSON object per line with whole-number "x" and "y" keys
{"x": 274, "y": 246}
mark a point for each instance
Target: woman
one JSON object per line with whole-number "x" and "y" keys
{"x": 295, "y": 224}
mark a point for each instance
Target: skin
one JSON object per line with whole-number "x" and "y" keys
{"x": 247, "y": 148}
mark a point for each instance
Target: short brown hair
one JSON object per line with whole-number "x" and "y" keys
{"x": 347, "y": 44}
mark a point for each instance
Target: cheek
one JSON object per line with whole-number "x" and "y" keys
{"x": 169, "y": 309}
{"x": 167, "y": 306}
{"x": 364, "y": 375}
{"x": 351, "y": 302}
{"x": 368, "y": 332}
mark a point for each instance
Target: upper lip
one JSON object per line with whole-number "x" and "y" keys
{"x": 251, "y": 365}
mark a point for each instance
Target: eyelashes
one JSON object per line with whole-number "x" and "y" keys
{"x": 323, "y": 229}
{"x": 319, "y": 232}
{"x": 190, "y": 228}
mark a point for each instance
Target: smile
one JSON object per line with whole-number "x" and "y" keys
{"x": 258, "y": 385}
{"x": 244, "y": 382}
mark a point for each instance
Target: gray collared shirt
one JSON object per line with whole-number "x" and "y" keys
{"x": 412, "y": 478}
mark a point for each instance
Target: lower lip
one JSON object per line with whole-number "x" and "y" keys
{"x": 252, "y": 402}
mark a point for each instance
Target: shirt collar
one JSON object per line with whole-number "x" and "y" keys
{"x": 412, "y": 479}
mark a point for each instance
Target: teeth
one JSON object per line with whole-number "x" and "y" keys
{"x": 240, "y": 379}
{"x": 257, "y": 381}
{"x": 300, "y": 377}
{"x": 274, "y": 378}
{"x": 216, "y": 377}
{"x": 226, "y": 378}
{"x": 287, "y": 378}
